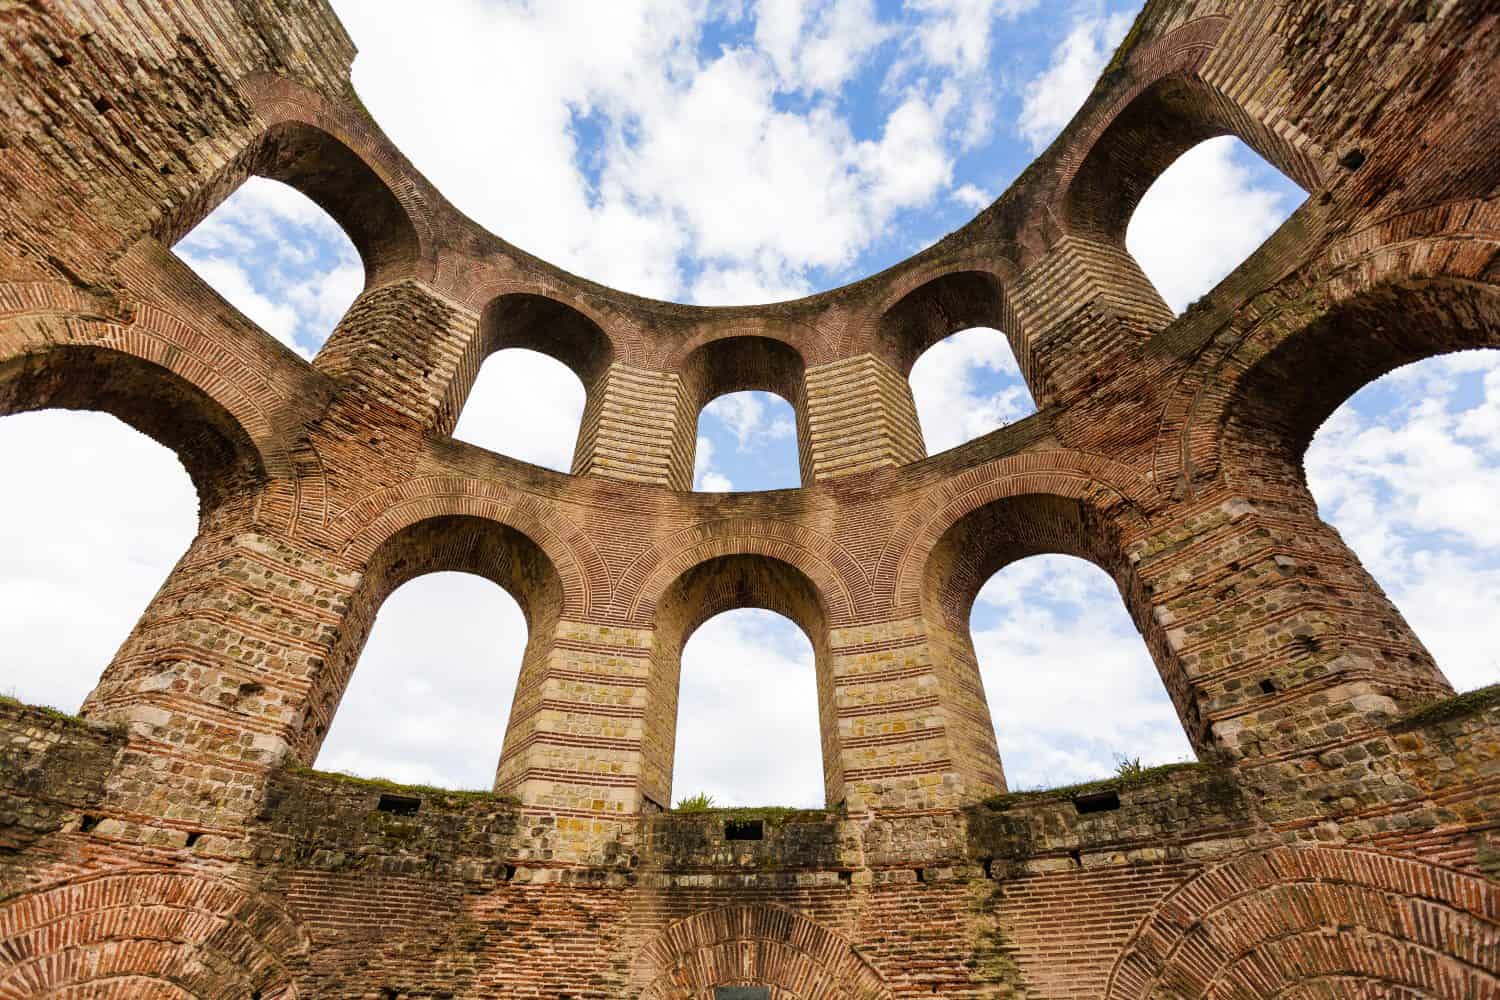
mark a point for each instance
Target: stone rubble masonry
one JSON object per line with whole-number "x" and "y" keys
{"x": 1339, "y": 835}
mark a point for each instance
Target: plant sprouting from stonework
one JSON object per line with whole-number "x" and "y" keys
{"x": 1128, "y": 767}
{"x": 702, "y": 802}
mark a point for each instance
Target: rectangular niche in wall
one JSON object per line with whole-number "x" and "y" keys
{"x": 742, "y": 993}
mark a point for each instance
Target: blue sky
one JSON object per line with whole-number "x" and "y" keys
{"x": 723, "y": 153}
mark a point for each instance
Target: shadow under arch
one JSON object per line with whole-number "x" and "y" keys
{"x": 320, "y": 165}
{"x": 935, "y": 310}
{"x": 739, "y": 364}
{"x": 980, "y": 544}
{"x": 1284, "y": 393}
{"x": 753, "y": 943}
{"x": 709, "y": 588}
{"x": 217, "y": 452}
{"x": 457, "y": 543}
{"x": 536, "y": 322}
{"x": 1159, "y": 122}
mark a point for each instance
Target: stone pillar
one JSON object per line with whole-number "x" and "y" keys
{"x": 1078, "y": 310}
{"x": 1283, "y": 642}
{"x": 860, "y": 416}
{"x": 574, "y": 745}
{"x": 906, "y": 733}
{"x": 213, "y": 681}
{"x": 402, "y": 352}
{"x": 634, "y": 428}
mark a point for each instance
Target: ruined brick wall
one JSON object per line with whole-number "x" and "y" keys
{"x": 1339, "y": 836}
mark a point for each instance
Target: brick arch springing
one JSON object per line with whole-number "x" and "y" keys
{"x": 155, "y": 934}
{"x": 797, "y": 957}
{"x": 562, "y": 329}
{"x": 451, "y": 543}
{"x": 366, "y": 524}
{"x": 986, "y": 538}
{"x": 708, "y": 588}
{"x": 1306, "y": 921}
{"x": 1395, "y": 292}
{"x": 954, "y": 300}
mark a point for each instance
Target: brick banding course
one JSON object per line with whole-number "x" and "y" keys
{"x": 1337, "y": 837}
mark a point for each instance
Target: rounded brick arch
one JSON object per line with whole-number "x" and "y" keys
{"x": 156, "y": 376}
{"x": 1398, "y": 291}
{"x": 831, "y": 568}
{"x": 1316, "y": 922}
{"x": 762, "y": 945}
{"x": 337, "y": 157}
{"x": 366, "y": 525}
{"x": 810, "y": 342}
{"x": 149, "y": 934}
{"x": 1114, "y": 491}
{"x": 1165, "y": 109}
{"x": 928, "y": 304}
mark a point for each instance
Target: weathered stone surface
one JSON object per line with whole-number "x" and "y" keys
{"x": 1337, "y": 839}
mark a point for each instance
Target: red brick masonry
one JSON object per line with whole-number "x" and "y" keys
{"x": 1340, "y": 836}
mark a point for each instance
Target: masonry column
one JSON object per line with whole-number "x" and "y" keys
{"x": 1283, "y": 644}
{"x": 1079, "y": 312}
{"x": 634, "y": 428}
{"x": 860, "y": 416}
{"x": 574, "y": 745}
{"x": 213, "y": 681}
{"x": 910, "y": 735}
{"x": 401, "y": 353}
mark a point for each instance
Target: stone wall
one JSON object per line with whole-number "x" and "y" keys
{"x": 1338, "y": 836}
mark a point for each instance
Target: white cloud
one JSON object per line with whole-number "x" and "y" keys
{"x": 967, "y": 385}
{"x": 972, "y": 197}
{"x": 1050, "y": 99}
{"x": 707, "y": 478}
{"x": 1179, "y": 233}
{"x": 1407, "y": 473}
{"x": 817, "y": 46}
{"x": 955, "y": 34}
{"x": 278, "y": 258}
{"x": 76, "y": 572}
{"x": 747, "y": 724}
{"x": 699, "y": 160}
{"x": 525, "y": 405}
{"x": 1069, "y": 680}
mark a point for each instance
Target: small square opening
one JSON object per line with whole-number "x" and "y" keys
{"x": 742, "y": 993}
{"x": 744, "y": 829}
{"x": 399, "y": 805}
{"x": 1096, "y": 802}
{"x": 1268, "y": 686}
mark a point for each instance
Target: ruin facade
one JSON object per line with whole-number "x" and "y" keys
{"x": 1339, "y": 835}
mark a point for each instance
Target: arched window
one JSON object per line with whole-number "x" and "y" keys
{"x": 746, "y": 394}
{"x": 92, "y": 520}
{"x": 1408, "y": 471}
{"x": 1205, "y": 214}
{"x": 451, "y": 652}
{"x": 433, "y": 687}
{"x": 966, "y": 386}
{"x": 280, "y": 259}
{"x": 540, "y": 362}
{"x": 526, "y": 405}
{"x": 756, "y": 644}
{"x": 1033, "y": 613}
{"x": 748, "y": 714}
{"x": 1072, "y": 689}
{"x": 746, "y": 441}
